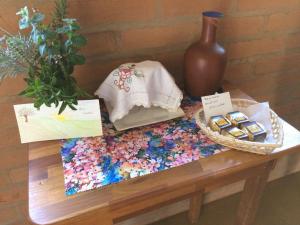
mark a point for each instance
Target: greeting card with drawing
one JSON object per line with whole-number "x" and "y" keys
{"x": 47, "y": 124}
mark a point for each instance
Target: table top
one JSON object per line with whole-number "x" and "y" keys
{"x": 48, "y": 202}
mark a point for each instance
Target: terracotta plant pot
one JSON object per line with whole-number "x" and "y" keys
{"x": 205, "y": 60}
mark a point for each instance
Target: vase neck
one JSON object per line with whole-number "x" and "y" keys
{"x": 209, "y": 29}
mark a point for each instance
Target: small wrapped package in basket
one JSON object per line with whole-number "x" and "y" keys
{"x": 237, "y": 118}
{"x": 254, "y": 130}
{"x": 219, "y": 123}
{"x": 235, "y": 132}
{"x": 261, "y": 139}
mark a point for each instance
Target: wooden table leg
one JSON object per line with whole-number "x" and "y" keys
{"x": 195, "y": 207}
{"x": 251, "y": 196}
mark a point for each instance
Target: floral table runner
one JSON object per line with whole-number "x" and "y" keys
{"x": 94, "y": 162}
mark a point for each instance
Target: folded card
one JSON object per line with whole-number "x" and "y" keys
{"x": 47, "y": 124}
{"x": 217, "y": 104}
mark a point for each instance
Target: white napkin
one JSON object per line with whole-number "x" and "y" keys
{"x": 144, "y": 84}
{"x": 260, "y": 113}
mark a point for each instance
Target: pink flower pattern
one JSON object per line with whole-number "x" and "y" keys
{"x": 124, "y": 74}
{"x": 98, "y": 161}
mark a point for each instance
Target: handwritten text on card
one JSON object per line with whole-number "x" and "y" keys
{"x": 218, "y": 104}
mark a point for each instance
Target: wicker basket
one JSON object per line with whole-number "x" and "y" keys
{"x": 249, "y": 146}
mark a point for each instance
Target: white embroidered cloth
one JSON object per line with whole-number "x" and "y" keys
{"x": 144, "y": 84}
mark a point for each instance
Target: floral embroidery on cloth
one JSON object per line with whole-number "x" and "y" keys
{"x": 124, "y": 74}
{"x": 146, "y": 84}
{"x": 94, "y": 162}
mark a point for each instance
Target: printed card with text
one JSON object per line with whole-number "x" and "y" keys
{"x": 217, "y": 104}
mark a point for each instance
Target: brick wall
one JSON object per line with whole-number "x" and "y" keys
{"x": 262, "y": 38}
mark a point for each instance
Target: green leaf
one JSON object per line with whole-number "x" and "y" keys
{"x": 37, "y": 18}
{"x": 69, "y": 20}
{"x": 58, "y": 93}
{"x": 22, "y": 93}
{"x": 71, "y": 106}
{"x": 63, "y": 30}
{"x": 67, "y": 28}
{"x": 37, "y": 83}
{"x": 40, "y": 39}
{"x": 62, "y": 107}
{"x": 38, "y": 103}
{"x": 77, "y": 59}
{"x": 48, "y": 104}
{"x": 29, "y": 94}
{"x": 53, "y": 80}
{"x": 75, "y": 26}
{"x": 49, "y": 34}
{"x": 73, "y": 79}
{"x": 75, "y": 102}
{"x": 78, "y": 41}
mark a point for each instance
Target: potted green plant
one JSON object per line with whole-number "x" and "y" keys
{"x": 47, "y": 55}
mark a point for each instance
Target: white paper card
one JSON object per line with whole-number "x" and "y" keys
{"x": 217, "y": 104}
{"x": 47, "y": 124}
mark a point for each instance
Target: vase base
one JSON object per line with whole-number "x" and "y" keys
{"x": 198, "y": 98}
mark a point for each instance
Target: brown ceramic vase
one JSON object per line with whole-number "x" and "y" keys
{"x": 205, "y": 60}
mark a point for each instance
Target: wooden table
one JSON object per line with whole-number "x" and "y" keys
{"x": 48, "y": 203}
